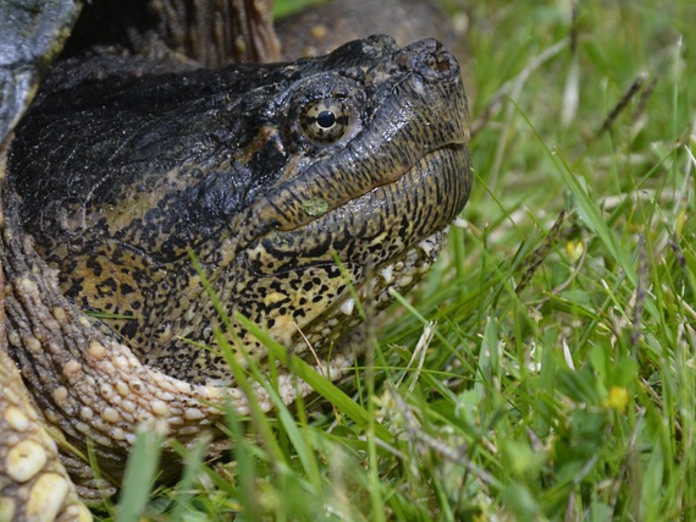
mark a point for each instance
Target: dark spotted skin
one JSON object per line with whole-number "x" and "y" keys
{"x": 154, "y": 170}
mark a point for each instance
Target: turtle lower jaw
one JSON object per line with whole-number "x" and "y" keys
{"x": 375, "y": 293}
{"x": 399, "y": 275}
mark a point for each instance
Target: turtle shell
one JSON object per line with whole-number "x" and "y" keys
{"x": 33, "y": 34}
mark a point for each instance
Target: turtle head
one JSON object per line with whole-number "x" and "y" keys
{"x": 289, "y": 183}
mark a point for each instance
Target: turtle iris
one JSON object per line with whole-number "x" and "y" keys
{"x": 325, "y": 121}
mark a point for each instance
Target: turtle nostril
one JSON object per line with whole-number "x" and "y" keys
{"x": 443, "y": 59}
{"x": 430, "y": 58}
{"x": 443, "y": 65}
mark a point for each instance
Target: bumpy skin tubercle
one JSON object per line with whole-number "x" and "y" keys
{"x": 244, "y": 168}
{"x": 34, "y": 484}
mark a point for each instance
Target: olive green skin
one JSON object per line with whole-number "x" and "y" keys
{"x": 224, "y": 168}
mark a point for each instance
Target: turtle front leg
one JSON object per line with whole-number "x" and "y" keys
{"x": 34, "y": 485}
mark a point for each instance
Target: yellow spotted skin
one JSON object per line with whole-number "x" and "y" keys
{"x": 205, "y": 170}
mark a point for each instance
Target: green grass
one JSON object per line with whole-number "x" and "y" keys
{"x": 558, "y": 378}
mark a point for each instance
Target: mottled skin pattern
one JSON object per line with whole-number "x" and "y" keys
{"x": 106, "y": 220}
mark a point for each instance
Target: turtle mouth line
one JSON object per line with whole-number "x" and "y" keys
{"x": 319, "y": 206}
{"x": 453, "y": 147}
{"x": 427, "y": 194}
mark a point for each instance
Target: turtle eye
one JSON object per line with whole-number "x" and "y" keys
{"x": 325, "y": 121}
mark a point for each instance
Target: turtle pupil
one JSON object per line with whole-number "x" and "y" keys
{"x": 326, "y": 119}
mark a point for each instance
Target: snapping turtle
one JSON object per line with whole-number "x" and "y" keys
{"x": 168, "y": 197}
